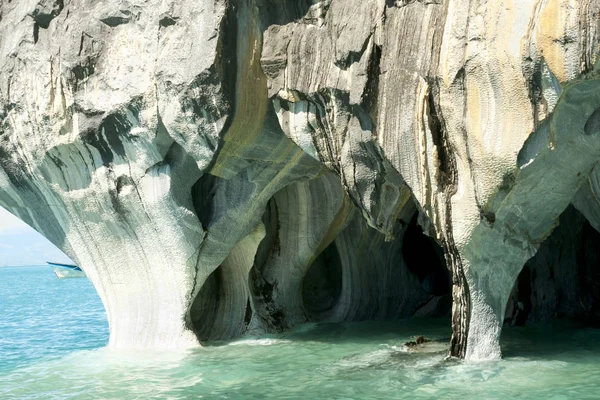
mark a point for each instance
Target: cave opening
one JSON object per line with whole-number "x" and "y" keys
{"x": 364, "y": 276}
{"x": 424, "y": 257}
{"x": 322, "y": 284}
{"x": 205, "y": 307}
{"x": 562, "y": 280}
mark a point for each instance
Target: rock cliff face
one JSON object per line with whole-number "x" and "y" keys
{"x": 222, "y": 167}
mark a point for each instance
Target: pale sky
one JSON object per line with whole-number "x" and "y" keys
{"x": 21, "y": 245}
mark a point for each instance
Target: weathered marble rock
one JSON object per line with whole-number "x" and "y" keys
{"x": 222, "y": 167}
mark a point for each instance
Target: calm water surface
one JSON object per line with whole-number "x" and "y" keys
{"x": 52, "y": 335}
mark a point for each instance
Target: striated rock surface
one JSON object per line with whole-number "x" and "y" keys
{"x": 223, "y": 167}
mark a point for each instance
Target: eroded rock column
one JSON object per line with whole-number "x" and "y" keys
{"x": 553, "y": 165}
{"x": 108, "y": 116}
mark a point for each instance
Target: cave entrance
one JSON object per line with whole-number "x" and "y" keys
{"x": 562, "y": 280}
{"x": 322, "y": 284}
{"x": 205, "y": 308}
{"x": 424, "y": 257}
{"x": 365, "y": 276}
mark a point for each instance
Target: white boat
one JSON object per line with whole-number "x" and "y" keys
{"x": 66, "y": 270}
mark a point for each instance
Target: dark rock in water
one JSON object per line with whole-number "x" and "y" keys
{"x": 424, "y": 345}
{"x": 420, "y": 340}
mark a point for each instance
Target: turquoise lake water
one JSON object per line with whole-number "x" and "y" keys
{"x": 52, "y": 335}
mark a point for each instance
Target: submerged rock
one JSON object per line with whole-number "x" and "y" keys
{"x": 219, "y": 167}
{"x": 424, "y": 345}
{"x": 418, "y": 341}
